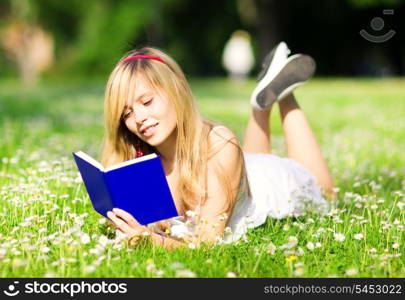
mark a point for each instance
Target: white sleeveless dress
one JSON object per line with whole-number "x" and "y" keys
{"x": 271, "y": 187}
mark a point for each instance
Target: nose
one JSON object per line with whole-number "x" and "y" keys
{"x": 141, "y": 114}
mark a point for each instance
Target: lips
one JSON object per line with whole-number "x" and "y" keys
{"x": 149, "y": 130}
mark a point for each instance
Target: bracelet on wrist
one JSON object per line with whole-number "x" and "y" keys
{"x": 137, "y": 237}
{"x": 134, "y": 239}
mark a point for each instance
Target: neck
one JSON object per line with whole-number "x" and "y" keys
{"x": 167, "y": 151}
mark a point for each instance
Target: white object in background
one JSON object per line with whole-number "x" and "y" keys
{"x": 238, "y": 57}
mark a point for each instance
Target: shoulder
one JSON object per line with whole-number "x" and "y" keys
{"x": 222, "y": 135}
{"x": 224, "y": 146}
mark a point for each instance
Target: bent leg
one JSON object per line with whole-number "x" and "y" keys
{"x": 257, "y": 134}
{"x": 301, "y": 143}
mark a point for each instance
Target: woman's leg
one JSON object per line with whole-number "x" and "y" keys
{"x": 257, "y": 134}
{"x": 302, "y": 145}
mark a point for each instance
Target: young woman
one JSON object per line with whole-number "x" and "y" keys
{"x": 220, "y": 188}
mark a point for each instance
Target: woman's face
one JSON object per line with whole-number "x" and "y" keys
{"x": 150, "y": 115}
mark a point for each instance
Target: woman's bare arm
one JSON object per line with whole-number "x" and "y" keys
{"x": 213, "y": 215}
{"x": 215, "y": 212}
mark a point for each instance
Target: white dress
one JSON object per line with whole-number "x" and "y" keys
{"x": 272, "y": 187}
{"x": 280, "y": 187}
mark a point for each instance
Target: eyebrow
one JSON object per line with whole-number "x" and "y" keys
{"x": 140, "y": 97}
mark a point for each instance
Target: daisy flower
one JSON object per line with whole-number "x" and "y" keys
{"x": 339, "y": 237}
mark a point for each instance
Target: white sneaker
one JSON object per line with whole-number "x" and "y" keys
{"x": 280, "y": 76}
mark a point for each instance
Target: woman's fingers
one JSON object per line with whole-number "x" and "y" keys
{"x": 121, "y": 224}
{"x": 127, "y": 217}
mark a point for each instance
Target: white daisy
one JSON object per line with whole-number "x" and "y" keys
{"x": 298, "y": 272}
{"x": 185, "y": 273}
{"x": 310, "y": 246}
{"x": 89, "y": 269}
{"x": 351, "y": 272}
{"x": 271, "y": 248}
{"x": 45, "y": 249}
{"x": 85, "y": 238}
{"x": 231, "y": 275}
{"x": 339, "y": 237}
{"x": 292, "y": 242}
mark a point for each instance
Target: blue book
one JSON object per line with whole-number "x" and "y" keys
{"x": 138, "y": 186}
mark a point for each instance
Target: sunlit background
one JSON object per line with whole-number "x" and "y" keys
{"x": 46, "y": 38}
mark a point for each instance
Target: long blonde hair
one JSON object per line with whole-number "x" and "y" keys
{"x": 192, "y": 148}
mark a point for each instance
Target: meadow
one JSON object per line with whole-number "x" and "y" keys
{"x": 49, "y": 229}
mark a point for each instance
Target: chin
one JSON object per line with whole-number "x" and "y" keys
{"x": 155, "y": 141}
{"x": 158, "y": 139}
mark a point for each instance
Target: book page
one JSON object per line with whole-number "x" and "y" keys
{"x": 90, "y": 160}
{"x": 130, "y": 162}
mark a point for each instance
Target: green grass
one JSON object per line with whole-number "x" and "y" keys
{"x": 46, "y": 217}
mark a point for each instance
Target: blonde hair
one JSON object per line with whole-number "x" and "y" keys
{"x": 192, "y": 153}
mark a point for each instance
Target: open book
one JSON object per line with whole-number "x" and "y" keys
{"x": 138, "y": 186}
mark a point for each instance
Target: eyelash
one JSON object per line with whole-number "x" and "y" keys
{"x": 129, "y": 113}
{"x": 148, "y": 102}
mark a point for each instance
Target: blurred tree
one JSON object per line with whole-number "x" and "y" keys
{"x": 106, "y": 30}
{"x": 265, "y": 19}
{"x": 90, "y": 36}
{"x": 195, "y": 33}
{"x": 26, "y": 42}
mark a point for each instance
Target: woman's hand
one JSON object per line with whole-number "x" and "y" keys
{"x": 126, "y": 223}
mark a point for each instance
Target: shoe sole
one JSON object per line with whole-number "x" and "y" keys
{"x": 297, "y": 70}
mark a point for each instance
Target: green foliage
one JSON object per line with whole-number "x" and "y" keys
{"x": 105, "y": 32}
{"x": 91, "y": 36}
{"x": 363, "y": 4}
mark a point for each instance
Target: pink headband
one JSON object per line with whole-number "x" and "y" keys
{"x": 142, "y": 56}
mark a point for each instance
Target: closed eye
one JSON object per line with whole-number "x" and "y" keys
{"x": 148, "y": 102}
{"x": 127, "y": 115}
